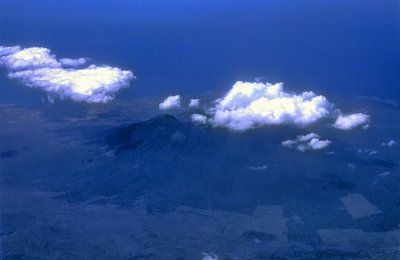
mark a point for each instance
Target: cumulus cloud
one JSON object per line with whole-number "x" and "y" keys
{"x": 248, "y": 105}
{"x": 4, "y": 50}
{"x": 92, "y": 84}
{"x": 170, "y": 102}
{"x": 317, "y": 144}
{"x": 390, "y": 143}
{"x": 307, "y": 142}
{"x": 194, "y": 103}
{"x": 38, "y": 68}
{"x": 199, "y": 119}
{"x": 306, "y": 138}
{"x": 30, "y": 58}
{"x": 73, "y": 62}
{"x": 348, "y": 122}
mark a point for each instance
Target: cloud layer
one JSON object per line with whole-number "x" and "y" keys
{"x": 248, "y": 105}
{"x": 38, "y": 68}
{"x": 307, "y": 142}
{"x": 348, "y": 122}
{"x": 170, "y": 102}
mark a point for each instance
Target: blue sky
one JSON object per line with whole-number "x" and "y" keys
{"x": 196, "y": 47}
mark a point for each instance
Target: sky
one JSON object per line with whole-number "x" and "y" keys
{"x": 203, "y": 47}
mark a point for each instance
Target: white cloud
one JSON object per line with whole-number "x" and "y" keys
{"x": 73, "y": 62}
{"x": 93, "y": 84}
{"x": 4, "y": 50}
{"x": 30, "y": 58}
{"x": 194, "y": 103}
{"x": 37, "y": 68}
{"x": 289, "y": 143}
{"x": 307, "y": 142}
{"x": 308, "y": 137}
{"x": 390, "y": 143}
{"x": 348, "y": 122}
{"x": 248, "y": 105}
{"x": 170, "y": 102}
{"x": 199, "y": 119}
{"x": 317, "y": 144}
